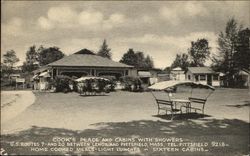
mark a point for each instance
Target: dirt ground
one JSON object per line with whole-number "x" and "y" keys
{"x": 131, "y": 115}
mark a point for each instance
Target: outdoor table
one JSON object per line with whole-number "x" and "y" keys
{"x": 183, "y": 102}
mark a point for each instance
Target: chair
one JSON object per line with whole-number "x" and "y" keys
{"x": 167, "y": 106}
{"x": 197, "y": 104}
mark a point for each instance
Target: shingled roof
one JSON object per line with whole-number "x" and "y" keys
{"x": 201, "y": 70}
{"x": 86, "y": 59}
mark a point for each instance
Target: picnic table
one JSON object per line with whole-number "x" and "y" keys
{"x": 191, "y": 104}
{"x": 183, "y": 103}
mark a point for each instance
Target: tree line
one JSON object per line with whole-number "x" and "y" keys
{"x": 232, "y": 55}
{"x": 41, "y": 56}
{"x": 196, "y": 56}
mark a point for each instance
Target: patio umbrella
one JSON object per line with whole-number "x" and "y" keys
{"x": 165, "y": 85}
{"x": 173, "y": 83}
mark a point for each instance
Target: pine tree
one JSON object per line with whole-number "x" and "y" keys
{"x": 104, "y": 50}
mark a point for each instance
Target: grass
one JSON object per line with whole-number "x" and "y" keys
{"x": 132, "y": 115}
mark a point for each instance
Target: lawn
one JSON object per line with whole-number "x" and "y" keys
{"x": 127, "y": 115}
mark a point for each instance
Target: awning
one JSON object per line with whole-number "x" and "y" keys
{"x": 44, "y": 74}
{"x": 221, "y": 74}
{"x": 144, "y": 74}
{"x": 35, "y": 76}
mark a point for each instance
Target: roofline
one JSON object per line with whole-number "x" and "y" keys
{"x": 90, "y": 66}
{"x": 206, "y": 73}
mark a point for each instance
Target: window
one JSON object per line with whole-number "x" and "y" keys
{"x": 202, "y": 77}
{"x": 216, "y": 77}
{"x": 189, "y": 77}
{"x": 126, "y": 72}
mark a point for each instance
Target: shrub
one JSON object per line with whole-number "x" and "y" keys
{"x": 111, "y": 84}
{"x": 132, "y": 83}
{"x": 94, "y": 85}
{"x": 62, "y": 84}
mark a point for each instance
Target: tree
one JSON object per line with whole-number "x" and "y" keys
{"x": 31, "y": 62}
{"x": 104, "y": 50}
{"x": 49, "y": 55}
{"x": 129, "y": 58}
{"x": 9, "y": 60}
{"x": 181, "y": 60}
{"x": 137, "y": 59}
{"x": 168, "y": 70}
{"x": 241, "y": 56}
{"x": 224, "y": 60}
{"x": 140, "y": 60}
{"x": 149, "y": 63}
{"x": 199, "y": 52}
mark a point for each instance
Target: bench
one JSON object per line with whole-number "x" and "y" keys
{"x": 166, "y": 106}
{"x": 199, "y": 104}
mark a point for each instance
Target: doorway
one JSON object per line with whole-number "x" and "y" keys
{"x": 209, "y": 80}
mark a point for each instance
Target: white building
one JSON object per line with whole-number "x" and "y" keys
{"x": 177, "y": 74}
{"x": 203, "y": 75}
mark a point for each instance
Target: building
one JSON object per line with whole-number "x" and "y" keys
{"x": 148, "y": 75}
{"x": 177, "y": 74}
{"x": 14, "y": 76}
{"x": 242, "y": 78}
{"x": 204, "y": 75}
{"x": 163, "y": 77}
{"x": 86, "y": 63}
{"x": 83, "y": 63}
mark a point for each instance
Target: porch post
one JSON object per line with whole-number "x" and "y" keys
{"x": 56, "y": 71}
{"x": 52, "y": 73}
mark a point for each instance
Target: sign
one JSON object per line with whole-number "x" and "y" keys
{"x": 20, "y": 80}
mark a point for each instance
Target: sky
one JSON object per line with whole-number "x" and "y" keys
{"x": 160, "y": 29}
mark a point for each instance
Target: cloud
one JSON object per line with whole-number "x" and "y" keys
{"x": 115, "y": 20}
{"x": 61, "y": 14}
{"x": 45, "y": 23}
{"x": 14, "y": 27}
{"x": 175, "y": 13}
{"x": 91, "y": 20}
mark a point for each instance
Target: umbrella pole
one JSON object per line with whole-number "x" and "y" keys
{"x": 153, "y": 94}
{"x": 169, "y": 96}
{"x": 209, "y": 94}
{"x": 191, "y": 92}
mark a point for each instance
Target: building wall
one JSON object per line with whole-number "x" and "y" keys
{"x": 163, "y": 77}
{"x": 132, "y": 72}
{"x": 215, "y": 83}
{"x": 86, "y": 71}
{"x": 177, "y": 75}
{"x": 189, "y": 76}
